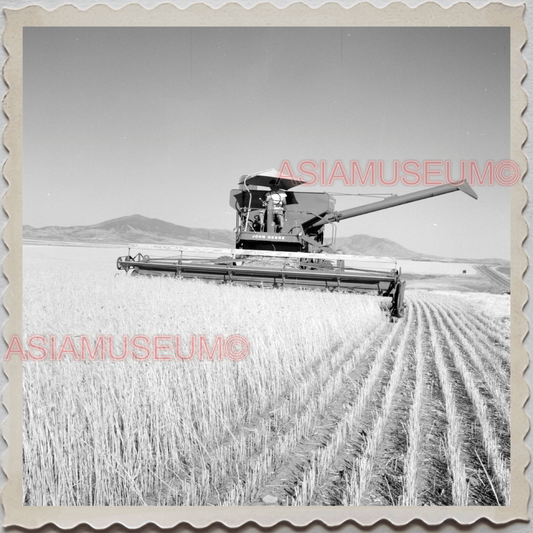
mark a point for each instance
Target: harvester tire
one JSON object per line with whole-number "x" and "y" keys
{"x": 398, "y": 305}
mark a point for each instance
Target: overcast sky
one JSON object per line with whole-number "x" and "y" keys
{"x": 163, "y": 121}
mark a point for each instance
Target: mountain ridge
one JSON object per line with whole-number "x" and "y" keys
{"x": 144, "y": 230}
{"x": 132, "y": 228}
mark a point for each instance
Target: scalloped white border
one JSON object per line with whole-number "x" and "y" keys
{"x": 429, "y": 14}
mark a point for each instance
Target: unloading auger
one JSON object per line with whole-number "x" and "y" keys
{"x": 280, "y": 243}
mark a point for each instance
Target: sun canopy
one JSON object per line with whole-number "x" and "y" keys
{"x": 268, "y": 178}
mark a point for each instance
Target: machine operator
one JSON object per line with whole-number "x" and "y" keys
{"x": 279, "y": 201}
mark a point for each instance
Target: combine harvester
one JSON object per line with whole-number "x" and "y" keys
{"x": 280, "y": 243}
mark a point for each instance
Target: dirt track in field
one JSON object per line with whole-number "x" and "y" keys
{"x": 501, "y": 281}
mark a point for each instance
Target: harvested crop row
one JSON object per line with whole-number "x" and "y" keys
{"x": 497, "y": 327}
{"x": 289, "y": 417}
{"x": 373, "y": 475}
{"x": 415, "y": 428}
{"x": 490, "y": 376}
{"x": 349, "y": 428}
{"x": 496, "y": 332}
{"x": 303, "y": 422}
{"x": 494, "y": 356}
{"x": 454, "y": 441}
{"x": 364, "y": 466}
{"x": 500, "y": 466}
{"x": 337, "y": 421}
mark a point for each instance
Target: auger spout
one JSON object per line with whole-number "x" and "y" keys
{"x": 393, "y": 201}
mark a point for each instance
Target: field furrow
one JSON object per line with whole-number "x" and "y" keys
{"x": 370, "y": 463}
{"x": 431, "y": 466}
{"x": 454, "y": 421}
{"x": 412, "y": 461}
{"x": 495, "y": 357}
{"x": 289, "y": 417}
{"x": 492, "y": 446}
{"x": 305, "y": 422}
{"x": 492, "y": 380}
{"x": 496, "y": 334}
{"x": 362, "y": 388}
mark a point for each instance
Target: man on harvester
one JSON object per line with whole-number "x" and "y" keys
{"x": 277, "y": 200}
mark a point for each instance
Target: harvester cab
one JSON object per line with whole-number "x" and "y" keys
{"x": 272, "y": 216}
{"x": 280, "y": 243}
{"x": 263, "y": 199}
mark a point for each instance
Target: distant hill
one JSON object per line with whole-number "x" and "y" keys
{"x": 143, "y": 230}
{"x": 368, "y": 245}
{"x": 132, "y": 229}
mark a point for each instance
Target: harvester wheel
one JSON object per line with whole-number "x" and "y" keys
{"x": 398, "y": 305}
{"x": 120, "y": 266}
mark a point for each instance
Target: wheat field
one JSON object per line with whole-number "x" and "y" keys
{"x": 334, "y": 405}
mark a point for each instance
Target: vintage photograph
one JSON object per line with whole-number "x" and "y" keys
{"x": 266, "y": 266}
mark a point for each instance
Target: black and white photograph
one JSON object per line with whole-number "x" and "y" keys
{"x": 266, "y": 266}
